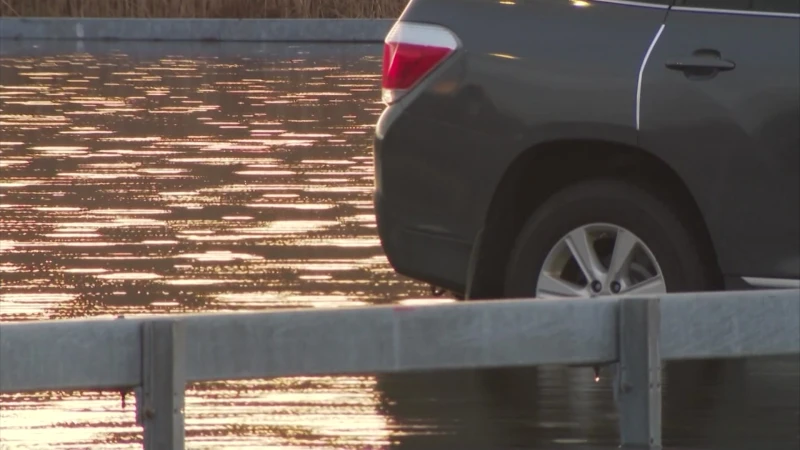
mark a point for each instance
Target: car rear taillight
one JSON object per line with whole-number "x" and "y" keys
{"x": 410, "y": 52}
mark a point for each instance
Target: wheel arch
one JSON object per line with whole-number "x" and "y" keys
{"x": 545, "y": 168}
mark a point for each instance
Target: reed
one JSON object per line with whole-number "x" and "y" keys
{"x": 242, "y": 9}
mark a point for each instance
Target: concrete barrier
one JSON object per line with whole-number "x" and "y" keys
{"x": 230, "y": 30}
{"x": 145, "y": 50}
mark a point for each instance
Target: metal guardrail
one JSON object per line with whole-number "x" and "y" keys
{"x": 157, "y": 356}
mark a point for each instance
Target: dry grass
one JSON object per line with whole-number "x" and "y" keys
{"x": 244, "y": 9}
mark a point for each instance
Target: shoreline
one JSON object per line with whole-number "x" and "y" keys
{"x": 207, "y": 30}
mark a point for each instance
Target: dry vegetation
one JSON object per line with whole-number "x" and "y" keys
{"x": 244, "y": 9}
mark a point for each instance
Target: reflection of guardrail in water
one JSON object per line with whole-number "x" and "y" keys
{"x": 157, "y": 356}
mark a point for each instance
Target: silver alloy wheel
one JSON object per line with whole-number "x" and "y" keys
{"x": 599, "y": 259}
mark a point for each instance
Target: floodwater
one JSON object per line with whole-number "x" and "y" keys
{"x": 163, "y": 178}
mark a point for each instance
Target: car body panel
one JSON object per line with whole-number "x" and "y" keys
{"x": 733, "y": 138}
{"x": 535, "y": 75}
{"x": 533, "y": 72}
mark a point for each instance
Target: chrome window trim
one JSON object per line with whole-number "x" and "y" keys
{"x": 631, "y": 3}
{"x": 785, "y": 283}
{"x": 641, "y": 75}
{"x": 736, "y": 12}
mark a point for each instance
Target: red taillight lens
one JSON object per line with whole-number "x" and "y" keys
{"x": 407, "y": 63}
{"x": 410, "y": 52}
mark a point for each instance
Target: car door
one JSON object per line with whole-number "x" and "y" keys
{"x": 719, "y": 103}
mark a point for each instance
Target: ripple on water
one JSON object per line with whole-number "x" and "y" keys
{"x": 145, "y": 185}
{"x": 145, "y": 182}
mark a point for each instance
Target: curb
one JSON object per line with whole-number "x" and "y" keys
{"x": 213, "y": 30}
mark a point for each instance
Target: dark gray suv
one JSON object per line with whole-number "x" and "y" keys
{"x": 558, "y": 148}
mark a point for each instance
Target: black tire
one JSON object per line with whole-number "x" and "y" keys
{"x": 618, "y": 203}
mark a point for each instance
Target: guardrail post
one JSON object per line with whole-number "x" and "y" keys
{"x": 638, "y": 381}
{"x": 160, "y": 403}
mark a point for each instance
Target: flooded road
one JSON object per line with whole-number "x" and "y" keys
{"x": 168, "y": 178}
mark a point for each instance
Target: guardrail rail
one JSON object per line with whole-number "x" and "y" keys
{"x": 156, "y": 356}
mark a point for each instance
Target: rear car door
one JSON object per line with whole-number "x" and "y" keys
{"x": 720, "y": 104}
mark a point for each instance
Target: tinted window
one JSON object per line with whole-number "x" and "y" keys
{"x": 786, "y": 6}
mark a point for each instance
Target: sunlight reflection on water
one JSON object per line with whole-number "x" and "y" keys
{"x": 148, "y": 179}
{"x": 145, "y": 185}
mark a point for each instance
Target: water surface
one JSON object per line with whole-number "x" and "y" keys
{"x": 168, "y": 178}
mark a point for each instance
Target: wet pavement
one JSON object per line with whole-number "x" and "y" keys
{"x": 156, "y": 178}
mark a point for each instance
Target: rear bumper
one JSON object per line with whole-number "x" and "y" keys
{"x": 431, "y": 195}
{"x": 426, "y": 256}
{"x": 439, "y": 155}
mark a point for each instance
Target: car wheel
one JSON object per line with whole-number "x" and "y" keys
{"x": 604, "y": 237}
